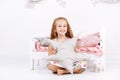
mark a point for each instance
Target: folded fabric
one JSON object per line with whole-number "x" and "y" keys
{"x": 88, "y": 41}
{"x": 39, "y": 47}
{"x": 97, "y": 50}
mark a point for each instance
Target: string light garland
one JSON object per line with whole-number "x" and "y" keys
{"x": 106, "y": 1}
{"x": 32, "y": 3}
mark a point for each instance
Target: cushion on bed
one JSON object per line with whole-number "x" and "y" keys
{"x": 97, "y": 50}
{"x": 88, "y": 41}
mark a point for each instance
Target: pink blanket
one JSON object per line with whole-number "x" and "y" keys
{"x": 94, "y": 50}
{"x": 97, "y": 50}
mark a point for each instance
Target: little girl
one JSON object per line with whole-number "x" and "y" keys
{"x": 61, "y": 33}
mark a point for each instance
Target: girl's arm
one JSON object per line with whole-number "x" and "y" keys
{"x": 76, "y": 49}
{"x": 51, "y": 50}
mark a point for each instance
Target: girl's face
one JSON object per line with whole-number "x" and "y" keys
{"x": 61, "y": 27}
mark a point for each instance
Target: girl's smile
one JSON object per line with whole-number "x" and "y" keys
{"x": 61, "y": 27}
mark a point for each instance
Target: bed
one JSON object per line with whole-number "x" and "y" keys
{"x": 95, "y": 61}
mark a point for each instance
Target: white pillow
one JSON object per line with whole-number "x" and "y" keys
{"x": 43, "y": 40}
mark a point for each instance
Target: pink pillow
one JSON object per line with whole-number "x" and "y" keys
{"x": 88, "y": 41}
{"x": 39, "y": 48}
{"x": 94, "y": 50}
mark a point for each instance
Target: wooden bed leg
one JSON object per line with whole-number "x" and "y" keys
{"x": 33, "y": 64}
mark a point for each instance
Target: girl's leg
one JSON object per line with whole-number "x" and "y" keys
{"x": 64, "y": 71}
{"x": 56, "y": 69}
{"x": 61, "y": 71}
{"x": 78, "y": 71}
{"x": 53, "y": 68}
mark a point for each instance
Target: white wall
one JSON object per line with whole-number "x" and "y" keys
{"x": 18, "y": 24}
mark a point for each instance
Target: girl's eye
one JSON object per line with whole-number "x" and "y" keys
{"x": 64, "y": 26}
{"x": 59, "y": 26}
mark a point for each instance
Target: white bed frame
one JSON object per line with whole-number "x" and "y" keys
{"x": 37, "y": 56}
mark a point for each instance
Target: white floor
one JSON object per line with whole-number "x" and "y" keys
{"x": 22, "y": 71}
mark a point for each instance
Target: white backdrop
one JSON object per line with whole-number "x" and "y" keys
{"x": 19, "y": 24}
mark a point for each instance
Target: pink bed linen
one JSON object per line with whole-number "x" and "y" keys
{"x": 92, "y": 50}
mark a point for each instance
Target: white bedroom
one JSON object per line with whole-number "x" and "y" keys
{"x": 20, "y": 22}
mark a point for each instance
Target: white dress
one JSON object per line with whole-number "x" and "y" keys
{"x": 66, "y": 55}
{"x": 66, "y": 48}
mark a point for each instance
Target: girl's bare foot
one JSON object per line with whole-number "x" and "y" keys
{"x": 62, "y": 71}
{"x": 78, "y": 71}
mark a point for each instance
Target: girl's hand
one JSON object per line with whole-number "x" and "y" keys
{"x": 76, "y": 49}
{"x": 51, "y": 50}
